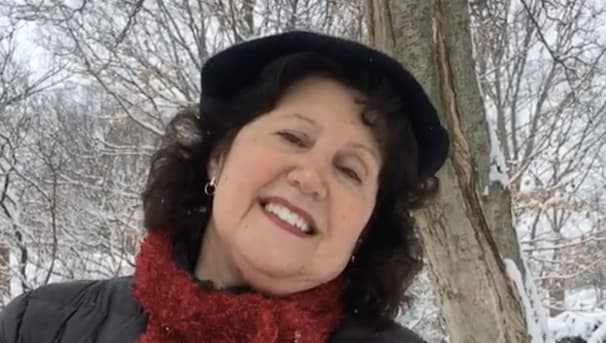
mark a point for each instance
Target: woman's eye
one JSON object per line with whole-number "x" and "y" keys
{"x": 350, "y": 173}
{"x": 292, "y": 138}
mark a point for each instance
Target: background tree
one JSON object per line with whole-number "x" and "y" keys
{"x": 541, "y": 68}
{"x": 128, "y": 66}
{"x": 17, "y": 85}
{"x": 468, "y": 231}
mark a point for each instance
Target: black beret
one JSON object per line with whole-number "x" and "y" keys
{"x": 236, "y": 67}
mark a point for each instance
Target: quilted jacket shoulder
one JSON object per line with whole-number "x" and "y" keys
{"x": 106, "y": 312}
{"x": 79, "y": 311}
{"x": 373, "y": 329}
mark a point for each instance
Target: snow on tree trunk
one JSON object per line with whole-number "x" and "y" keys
{"x": 533, "y": 308}
{"x": 469, "y": 228}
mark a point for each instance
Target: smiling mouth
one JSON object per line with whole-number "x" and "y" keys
{"x": 287, "y": 218}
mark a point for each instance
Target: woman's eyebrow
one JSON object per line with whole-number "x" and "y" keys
{"x": 303, "y": 118}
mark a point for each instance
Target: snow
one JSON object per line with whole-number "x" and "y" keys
{"x": 423, "y": 315}
{"x": 498, "y": 167}
{"x": 599, "y": 335}
{"x": 578, "y": 324}
{"x": 584, "y": 299}
{"x": 536, "y": 318}
{"x": 584, "y": 319}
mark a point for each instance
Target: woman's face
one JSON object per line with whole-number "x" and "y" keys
{"x": 296, "y": 189}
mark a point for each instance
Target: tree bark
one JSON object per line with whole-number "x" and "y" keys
{"x": 468, "y": 229}
{"x": 5, "y": 285}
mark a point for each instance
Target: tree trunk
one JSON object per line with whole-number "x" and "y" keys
{"x": 468, "y": 230}
{"x": 5, "y": 285}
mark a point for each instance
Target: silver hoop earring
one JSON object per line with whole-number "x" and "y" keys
{"x": 352, "y": 259}
{"x": 210, "y": 187}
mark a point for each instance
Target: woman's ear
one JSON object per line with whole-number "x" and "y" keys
{"x": 215, "y": 165}
{"x": 218, "y": 157}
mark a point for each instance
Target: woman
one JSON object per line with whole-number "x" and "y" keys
{"x": 278, "y": 211}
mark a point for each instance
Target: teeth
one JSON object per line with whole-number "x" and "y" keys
{"x": 288, "y": 216}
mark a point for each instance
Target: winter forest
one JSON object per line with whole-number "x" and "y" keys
{"x": 86, "y": 88}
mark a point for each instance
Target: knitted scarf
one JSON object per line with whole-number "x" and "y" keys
{"x": 180, "y": 310}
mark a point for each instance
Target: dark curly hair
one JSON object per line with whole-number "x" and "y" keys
{"x": 389, "y": 256}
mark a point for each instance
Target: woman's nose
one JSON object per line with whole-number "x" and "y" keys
{"x": 309, "y": 181}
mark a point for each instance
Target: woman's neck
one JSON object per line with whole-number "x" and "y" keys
{"x": 213, "y": 264}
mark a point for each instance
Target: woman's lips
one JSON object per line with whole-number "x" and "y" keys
{"x": 293, "y": 208}
{"x": 284, "y": 225}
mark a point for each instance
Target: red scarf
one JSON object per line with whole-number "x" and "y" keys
{"x": 181, "y": 311}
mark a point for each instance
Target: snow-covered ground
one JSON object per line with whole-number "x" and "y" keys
{"x": 583, "y": 322}
{"x": 586, "y": 319}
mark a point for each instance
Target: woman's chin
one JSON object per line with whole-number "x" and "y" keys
{"x": 272, "y": 277}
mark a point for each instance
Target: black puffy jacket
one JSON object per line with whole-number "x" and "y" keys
{"x": 106, "y": 312}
